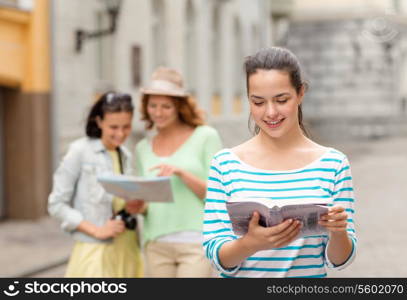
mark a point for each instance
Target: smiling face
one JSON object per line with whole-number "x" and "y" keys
{"x": 162, "y": 111}
{"x": 115, "y": 128}
{"x": 274, "y": 102}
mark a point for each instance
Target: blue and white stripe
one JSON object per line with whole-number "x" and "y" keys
{"x": 327, "y": 180}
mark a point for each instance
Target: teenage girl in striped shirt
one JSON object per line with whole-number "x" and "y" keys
{"x": 279, "y": 162}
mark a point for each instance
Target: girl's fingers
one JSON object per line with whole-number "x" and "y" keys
{"x": 120, "y": 227}
{"x": 335, "y": 216}
{"x": 155, "y": 167}
{"x": 336, "y": 209}
{"x": 282, "y": 229}
{"x": 160, "y": 172}
{"x": 294, "y": 226}
{"x": 254, "y": 221}
{"x": 333, "y": 224}
{"x": 165, "y": 170}
{"x": 275, "y": 230}
{"x": 288, "y": 237}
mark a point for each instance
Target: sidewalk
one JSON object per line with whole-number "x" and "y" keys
{"x": 31, "y": 246}
{"x": 378, "y": 170}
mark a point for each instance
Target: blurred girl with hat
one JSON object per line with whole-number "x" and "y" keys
{"x": 182, "y": 147}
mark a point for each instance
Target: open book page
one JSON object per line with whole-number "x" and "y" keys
{"x": 240, "y": 214}
{"x": 241, "y": 211}
{"x": 157, "y": 189}
{"x": 308, "y": 214}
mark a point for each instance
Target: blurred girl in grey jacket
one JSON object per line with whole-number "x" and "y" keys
{"x": 106, "y": 240}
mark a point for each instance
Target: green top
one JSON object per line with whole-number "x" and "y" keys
{"x": 194, "y": 156}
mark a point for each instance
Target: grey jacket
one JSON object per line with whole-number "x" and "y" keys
{"x": 76, "y": 194}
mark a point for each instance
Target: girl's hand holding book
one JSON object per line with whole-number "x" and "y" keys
{"x": 335, "y": 220}
{"x": 261, "y": 238}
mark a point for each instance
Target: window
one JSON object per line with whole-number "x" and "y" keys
{"x": 190, "y": 49}
{"x": 239, "y": 82}
{"x": 159, "y": 35}
{"x": 104, "y": 54}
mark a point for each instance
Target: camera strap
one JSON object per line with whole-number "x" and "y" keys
{"x": 119, "y": 152}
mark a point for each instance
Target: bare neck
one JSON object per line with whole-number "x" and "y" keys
{"x": 172, "y": 130}
{"x": 292, "y": 139}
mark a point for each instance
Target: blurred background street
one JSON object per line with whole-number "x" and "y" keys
{"x": 380, "y": 188}
{"x": 58, "y": 56}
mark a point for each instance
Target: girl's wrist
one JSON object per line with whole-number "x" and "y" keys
{"x": 144, "y": 209}
{"x": 338, "y": 234}
{"x": 179, "y": 172}
{"x": 96, "y": 232}
{"x": 247, "y": 245}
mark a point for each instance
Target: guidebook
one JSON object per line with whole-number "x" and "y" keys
{"x": 273, "y": 212}
{"x": 157, "y": 189}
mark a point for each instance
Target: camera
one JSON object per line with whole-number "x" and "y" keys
{"x": 129, "y": 221}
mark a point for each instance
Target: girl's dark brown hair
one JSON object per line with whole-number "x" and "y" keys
{"x": 276, "y": 58}
{"x": 109, "y": 102}
{"x": 188, "y": 111}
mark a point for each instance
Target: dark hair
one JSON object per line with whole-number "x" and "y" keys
{"x": 109, "y": 102}
{"x": 276, "y": 58}
{"x": 187, "y": 108}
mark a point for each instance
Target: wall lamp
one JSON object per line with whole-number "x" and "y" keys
{"x": 112, "y": 9}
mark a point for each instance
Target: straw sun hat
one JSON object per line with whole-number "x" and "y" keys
{"x": 166, "y": 82}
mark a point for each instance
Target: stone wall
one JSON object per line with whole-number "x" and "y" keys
{"x": 355, "y": 73}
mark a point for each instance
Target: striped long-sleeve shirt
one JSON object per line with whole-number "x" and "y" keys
{"x": 327, "y": 179}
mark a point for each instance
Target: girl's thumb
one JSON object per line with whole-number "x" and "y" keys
{"x": 255, "y": 219}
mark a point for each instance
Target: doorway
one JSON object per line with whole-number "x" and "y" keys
{"x": 2, "y": 197}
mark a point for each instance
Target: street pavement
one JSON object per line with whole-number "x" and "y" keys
{"x": 40, "y": 249}
{"x": 380, "y": 184}
{"x": 28, "y": 247}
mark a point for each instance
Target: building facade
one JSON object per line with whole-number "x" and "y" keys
{"x": 204, "y": 39}
{"x": 47, "y": 84}
{"x": 24, "y": 108}
{"x": 354, "y": 56}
